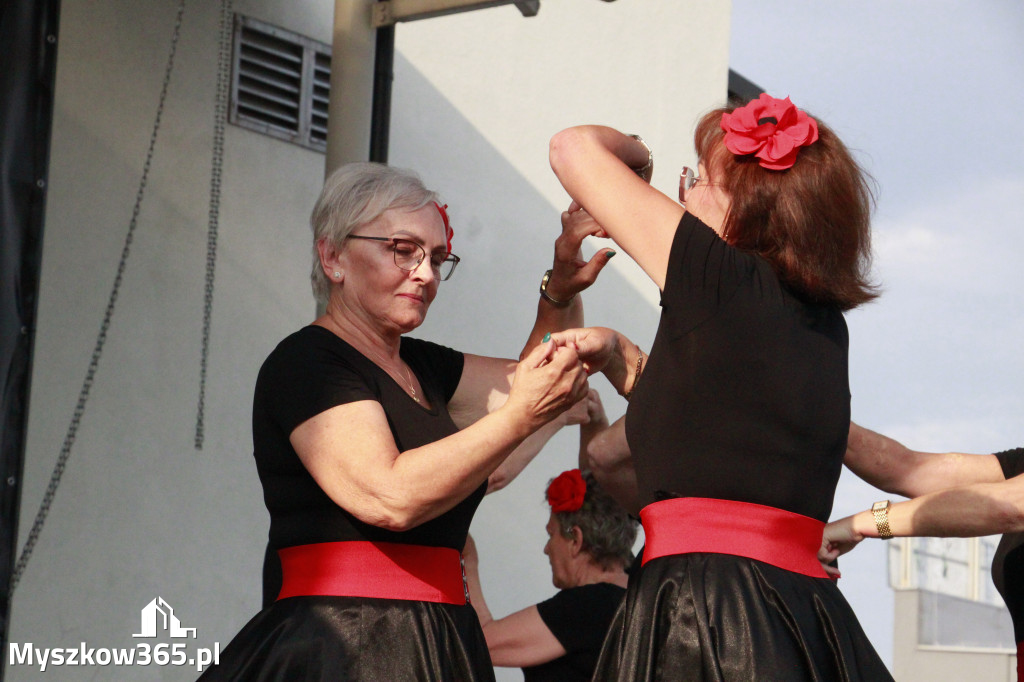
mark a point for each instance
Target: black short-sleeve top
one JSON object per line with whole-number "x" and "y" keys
{"x": 314, "y": 370}
{"x": 1008, "y": 562}
{"x": 579, "y": 618}
{"x": 745, "y": 395}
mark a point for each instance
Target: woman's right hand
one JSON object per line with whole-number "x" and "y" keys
{"x": 595, "y": 346}
{"x": 838, "y": 538}
{"x": 547, "y": 382}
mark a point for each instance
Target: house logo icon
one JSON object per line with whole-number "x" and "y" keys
{"x": 158, "y": 617}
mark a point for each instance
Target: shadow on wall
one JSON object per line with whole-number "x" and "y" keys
{"x": 504, "y": 230}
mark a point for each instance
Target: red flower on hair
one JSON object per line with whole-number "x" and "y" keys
{"x": 771, "y": 129}
{"x": 448, "y": 231}
{"x": 567, "y": 491}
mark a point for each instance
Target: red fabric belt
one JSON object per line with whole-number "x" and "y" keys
{"x": 384, "y": 570}
{"x": 684, "y": 525}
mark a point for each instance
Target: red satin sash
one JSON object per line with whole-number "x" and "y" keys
{"x": 685, "y": 525}
{"x": 383, "y": 570}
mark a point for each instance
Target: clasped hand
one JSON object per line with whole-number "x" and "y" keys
{"x": 548, "y": 381}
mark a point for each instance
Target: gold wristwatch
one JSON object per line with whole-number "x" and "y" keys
{"x": 880, "y": 510}
{"x": 547, "y": 297}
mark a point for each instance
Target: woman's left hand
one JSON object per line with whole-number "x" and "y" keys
{"x": 838, "y": 539}
{"x": 570, "y": 274}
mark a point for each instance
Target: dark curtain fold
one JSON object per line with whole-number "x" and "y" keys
{"x": 28, "y": 57}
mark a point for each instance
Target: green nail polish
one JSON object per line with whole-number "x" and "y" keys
{"x": 609, "y": 255}
{"x": 547, "y": 337}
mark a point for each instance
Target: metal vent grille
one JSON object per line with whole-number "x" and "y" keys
{"x": 280, "y": 83}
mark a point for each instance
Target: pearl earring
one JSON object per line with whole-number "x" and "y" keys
{"x": 337, "y": 274}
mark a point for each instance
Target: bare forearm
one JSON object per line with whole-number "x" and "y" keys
{"x": 551, "y": 318}
{"x": 423, "y": 483}
{"x": 968, "y": 511}
{"x": 476, "y": 594}
{"x": 609, "y": 459}
{"x": 514, "y": 464}
{"x": 626, "y": 366}
{"x": 895, "y": 468}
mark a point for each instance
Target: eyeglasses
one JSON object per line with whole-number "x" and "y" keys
{"x": 687, "y": 179}
{"x": 409, "y": 255}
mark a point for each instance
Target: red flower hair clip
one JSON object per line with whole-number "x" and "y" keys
{"x": 771, "y": 129}
{"x": 567, "y": 491}
{"x": 448, "y": 231}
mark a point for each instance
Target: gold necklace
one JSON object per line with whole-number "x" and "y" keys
{"x": 408, "y": 377}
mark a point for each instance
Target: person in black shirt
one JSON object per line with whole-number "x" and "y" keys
{"x": 737, "y": 420}
{"x": 374, "y": 448}
{"x": 590, "y": 540}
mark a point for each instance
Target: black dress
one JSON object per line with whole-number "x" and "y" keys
{"x": 745, "y": 397}
{"x": 1008, "y": 562}
{"x": 578, "y": 617}
{"x": 328, "y": 638}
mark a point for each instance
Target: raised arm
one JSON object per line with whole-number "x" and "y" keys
{"x": 598, "y": 166}
{"x": 351, "y": 454}
{"x": 518, "y": 640}
{"x": 895, "y": 468}
{"x": 559, "y": 305}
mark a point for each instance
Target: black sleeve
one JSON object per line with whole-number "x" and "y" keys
{"x": 579, "y": 617}
{"x": 703, "y": 273}
{"x": 305, "y": 376}
{"x": 1012, "y": 462}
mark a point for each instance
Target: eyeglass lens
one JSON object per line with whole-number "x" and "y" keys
{"x": 409, "y": 255}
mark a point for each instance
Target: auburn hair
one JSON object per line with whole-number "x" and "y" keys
{"x": 811, "y": 222}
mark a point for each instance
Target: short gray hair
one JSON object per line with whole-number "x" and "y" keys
{"x": 608, "y": 530}
{"x": 354, "y": 195}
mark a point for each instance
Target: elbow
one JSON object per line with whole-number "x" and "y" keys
{"x": 390, "y": 515}
{"x": 498, "y": 480}
{"x": 602, "y": 457}
{"x": 563, "y": 147}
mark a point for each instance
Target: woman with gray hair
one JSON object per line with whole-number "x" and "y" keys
{"x": 374, "y": 449}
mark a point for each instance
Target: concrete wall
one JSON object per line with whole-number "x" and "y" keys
{"x": 140, "y": 513}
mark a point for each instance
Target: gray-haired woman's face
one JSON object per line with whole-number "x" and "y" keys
{"x": 375, "y": 287}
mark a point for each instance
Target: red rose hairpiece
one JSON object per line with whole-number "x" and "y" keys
{"x": 567, "y": 491}
{"x": 448, "y": 231}
{"x": 771, "y": 129}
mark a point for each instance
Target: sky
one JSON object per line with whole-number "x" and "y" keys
{"x": 929, "y": 96}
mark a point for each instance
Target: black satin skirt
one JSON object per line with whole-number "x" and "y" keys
{"x": 336, "y": 639}
{"x": 704, "y": 617}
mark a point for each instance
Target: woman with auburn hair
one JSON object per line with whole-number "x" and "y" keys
{"x": 738, "y": 418}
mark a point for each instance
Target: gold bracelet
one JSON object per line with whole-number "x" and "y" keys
{"x": 636, "y": 377}
{"x": 880, "y": 510}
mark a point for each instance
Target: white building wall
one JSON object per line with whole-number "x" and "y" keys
{"x": 140, "y": 513}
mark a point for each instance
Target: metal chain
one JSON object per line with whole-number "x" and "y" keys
{"x": 101, "y": 339}
{"x": 220, "y": 110}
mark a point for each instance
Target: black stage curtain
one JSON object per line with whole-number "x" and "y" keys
{"x": 28, "y": 59}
